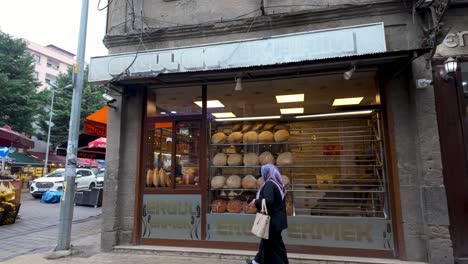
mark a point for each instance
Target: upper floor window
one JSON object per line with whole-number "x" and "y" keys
{"x": 36, "y": 75}
{"x": 50, "y": 79}
{"x": 37, "y": 58}
{"x": 51, "y": 63}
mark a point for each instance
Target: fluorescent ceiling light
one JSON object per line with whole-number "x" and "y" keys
{"x": 249, "y": 118}
{"x": 163, "y": 113}
{"x": 464, "y": 83}
{"x": 210, "y": 104}
{"x": 290, "y": 98}
{"x": 286, "y": 111}
{"x": 173, "y": 112}
{"x": 224, "y": 115}
{"x": 347, "y": 101}
{"x": 365, "y": 112}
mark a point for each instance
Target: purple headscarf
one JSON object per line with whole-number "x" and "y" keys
{"x": 271, "y": 173}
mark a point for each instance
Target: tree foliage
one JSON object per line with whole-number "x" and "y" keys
{"x": 91, "y": 101}
{"x": 18, "y": 100}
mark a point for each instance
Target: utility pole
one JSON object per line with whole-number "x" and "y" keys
{"x": 66, "y": 206}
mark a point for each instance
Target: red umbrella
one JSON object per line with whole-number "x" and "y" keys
{"x": 15, "y": 139}
{"x": 98, "y": 143}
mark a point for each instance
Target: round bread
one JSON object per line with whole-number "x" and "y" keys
{"x": 235, "y": 137}
{"x": 281, "y": 126}
{"x": 281, "y": 135}
{"x": 149, "y": 178}
{"x": 266, "y": 158}
{"x": 250, "y": 137}
{"x": 260, "y": 181}
{"x": 233, "y": 182}
{"x": 218, "y": 182}
{"x": 188, "y": 179}
{"x": 218, "y": 138}
{"x": 234, "y": 160}
{"x": 234, "y": 206}
{"x": 220, "y": 159}
{"x": 249, "y": 182}
{"x": 258, "y": 126}
{"x": 236, "y": 127}
{"x": 285, "y": 180}
{"x": 269, "y": 126}
{"x": 218, "y": 206}
{"x": 249, "y": 209}
{"x": 246, "y": 127}
{"x": 250, "y": 159}
{"x": 266, "y": 136}
{"x": 285, "y": 159}
{"x": 289, "y": 208}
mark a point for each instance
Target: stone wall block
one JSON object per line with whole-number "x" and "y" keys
{"x": 435, "y": 206}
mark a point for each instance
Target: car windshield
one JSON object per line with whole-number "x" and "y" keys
{"x": 57, "y": 173}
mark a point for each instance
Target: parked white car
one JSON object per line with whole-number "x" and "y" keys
{"x": 85, "y": 179}
{"x": 100, "y": 178}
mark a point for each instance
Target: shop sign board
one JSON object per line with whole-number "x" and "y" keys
{"x": 171, "y": 216}
{"x": 343, "y": 232}
{"x": 456, "y": 41}
{"x": 297, "y": 47}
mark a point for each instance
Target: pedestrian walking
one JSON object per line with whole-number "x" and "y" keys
{"x": 272, "y": 250}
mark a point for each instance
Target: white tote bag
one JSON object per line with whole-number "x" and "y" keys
{"x": 261, "y": 225}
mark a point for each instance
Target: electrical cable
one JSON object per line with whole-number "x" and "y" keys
{"x": 108, "y": 4}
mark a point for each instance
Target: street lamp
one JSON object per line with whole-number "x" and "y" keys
{"x": 54, "y": 87}
{"x": 450, "y": 65}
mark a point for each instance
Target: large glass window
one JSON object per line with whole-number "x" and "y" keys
{"x": 174, "y": 101}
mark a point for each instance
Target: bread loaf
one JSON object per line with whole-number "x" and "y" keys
{"x": 218, "y": 206}
{"x": 246, "y": 127}
{"x": 162, "y": 178}
{"x": 218, "y": 182}
{"x": 236, "y": 127}
{"x": 269, "y": 126}
{"x": 281, "y": 126}
{"x": 266, "y": 158}
{"x": 285, "y": 159}
{"x": 260, "y": 181}
{"x": 234, "y": 206}
{"x": 250, "y": 159}
{"x": 235, "y": 137}
{"x": 249, "y": 182}
{"x": 149, "y": 178}
{"x": 285, "y": 180}
{"x": 249, "y": 209}
{"x": 281, "y": 135}
{"x": 250, "y": 137}
{"x": 233, "y": 182}
{"x": 265, "y": 136}
{"x": 258, "y": 126}
{"x": 218, "y": 138}
{"x": 156, "y": 178}
{"x": 220, "y": 159}
{"x": 234, "y": 160}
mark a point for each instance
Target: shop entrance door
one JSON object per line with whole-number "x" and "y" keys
{"x": 451, "y": 94}
{"x": 174, "y": 171}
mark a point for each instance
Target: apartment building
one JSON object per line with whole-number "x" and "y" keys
{"x": 50, "y": 61}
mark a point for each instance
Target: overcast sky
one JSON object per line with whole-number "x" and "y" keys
{"x": 54, "y": 22}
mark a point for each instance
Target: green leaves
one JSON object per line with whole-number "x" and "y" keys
{"x": 91, "y": 101}
{"x": 18, "y": 100}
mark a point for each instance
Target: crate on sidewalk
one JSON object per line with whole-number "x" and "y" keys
{"x": 92, "y": 197}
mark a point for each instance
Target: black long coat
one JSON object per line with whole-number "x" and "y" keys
{"x": 275, "y": 205}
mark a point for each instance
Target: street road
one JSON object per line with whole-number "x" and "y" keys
{"x": 36, "y": 229}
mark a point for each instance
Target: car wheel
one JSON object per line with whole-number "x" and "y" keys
{"x": 92, "y": 185}
{"x": 37, "y": 196}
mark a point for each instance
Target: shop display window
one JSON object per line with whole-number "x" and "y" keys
{"x": 322, "y": 133}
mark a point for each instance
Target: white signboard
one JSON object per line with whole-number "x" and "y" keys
{"x": 330, "y": 43}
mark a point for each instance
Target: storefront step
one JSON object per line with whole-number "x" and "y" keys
{"x": 242, "y": 255}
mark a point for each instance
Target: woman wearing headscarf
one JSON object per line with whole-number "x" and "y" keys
{"x": 272, "y": 250}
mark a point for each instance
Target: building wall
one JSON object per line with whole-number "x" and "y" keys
{"x": 65, "y": 62}
{"x": 178, "y": 23}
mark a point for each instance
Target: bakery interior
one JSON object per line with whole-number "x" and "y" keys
{"x": 322, "y": 132}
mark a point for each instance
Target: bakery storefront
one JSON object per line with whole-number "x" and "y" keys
{"x": 318, "y": 114}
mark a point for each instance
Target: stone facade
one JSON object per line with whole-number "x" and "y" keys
{"x": 177, "y": 23}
